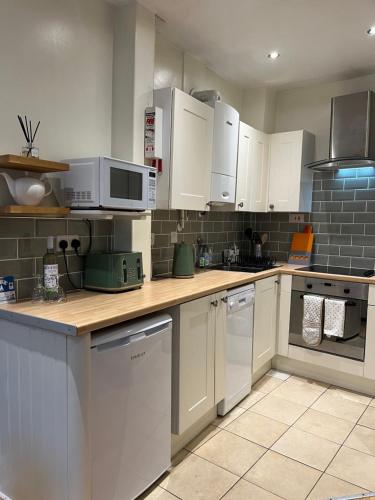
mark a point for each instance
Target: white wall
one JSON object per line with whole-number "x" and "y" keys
{"x": 56, "y": 66}
{"x": 258, "y": 108}
{"x": 176, "y": 68}
{"x": 309, "y": 108}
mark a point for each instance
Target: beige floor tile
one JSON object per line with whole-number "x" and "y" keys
{"x": 231, "y": 452}
{"x": 257, "y": 428}
{"x": 306, "y": 448}
{"x": 362, "y": 439}
{"x": 267, "y": 384}
{"x": 179, "y": 457}
{"x": 157, "y": 494}
{"x": 299, "y": 391}
{"x": 203, "y": 437}
{"x": 322, "y": 386}
{"x": 278, "y": 374}
{"x": 339, "y": 406}
{"x": 251, "y": 399}
{"x": 368, "y": 418}
{"x": 229, "y": 417}
{"x": 350, "y": 395}
{"x": 279, "y": 409}
{"x": 197, "y": 479}
{"x": 372, "y": 402}
{"x": 283, "y": 476}
{"x": 329, "y": 486}
{"x": 355, "y": 467}
{"x": 324, "y": 425}
{"x": 243, "y": 490}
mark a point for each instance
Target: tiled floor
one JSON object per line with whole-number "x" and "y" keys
{"x": 290, "y": 439}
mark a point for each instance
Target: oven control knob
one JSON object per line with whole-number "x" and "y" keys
{"x": 309, "y": 286}
{"x": 346, "y": 290}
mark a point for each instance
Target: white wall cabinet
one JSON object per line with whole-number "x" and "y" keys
{"x": 252, "y": 170}
{"x": 185, "y": 180}
{"x": 198, "y": 372}
{"x": 290, "y": 182}
{"x": 265, "y": 321}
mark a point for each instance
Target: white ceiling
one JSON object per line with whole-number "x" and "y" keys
{"x": 319, "y": 40}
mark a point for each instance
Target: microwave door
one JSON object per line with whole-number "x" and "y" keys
{"x": 123, "y": 185}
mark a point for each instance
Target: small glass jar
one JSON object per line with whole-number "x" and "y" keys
{"x": 38, "y": 291}
{"x": 30, "y": 151}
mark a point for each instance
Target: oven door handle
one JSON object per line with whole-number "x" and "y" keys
{"x": 349, "y": 303}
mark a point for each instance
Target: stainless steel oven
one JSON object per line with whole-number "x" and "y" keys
{"x": 352, "y": 344}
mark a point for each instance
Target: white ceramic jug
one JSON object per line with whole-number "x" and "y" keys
{"x": 26, "y": 190}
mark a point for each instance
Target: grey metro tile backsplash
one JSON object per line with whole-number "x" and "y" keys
{"x": 217, "y": 229}
{"x": 343, "y": 220}
{"x": 23, "y": 243}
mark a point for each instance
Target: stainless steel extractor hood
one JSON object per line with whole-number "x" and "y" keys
{"x": 352, "y": 137}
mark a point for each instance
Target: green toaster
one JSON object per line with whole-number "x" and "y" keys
{"x": 113, "y": 272}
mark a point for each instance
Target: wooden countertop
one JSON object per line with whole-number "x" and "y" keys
{"x": 88, "y": 311}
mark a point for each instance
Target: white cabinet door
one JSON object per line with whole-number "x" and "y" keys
{"x": 192, "y": 138}
{"x": 369, "y": 366}
{"x": 220, "y": 344}
{"x": 283, "y": 315}
{"x": 252, "y": 170}
{"x": 226, "y": 124}
{"x": 245, "y": 145}
{"x": 265, "y": 312}
{"x": 259, "y": 172}
{"x": 290, "y": 182}
{"x": 194, "y": 375}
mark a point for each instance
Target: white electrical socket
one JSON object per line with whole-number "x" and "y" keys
{"x": 174, "y": 237}
{"x": 67, "y": 237}
{"x": 296, "y": 218}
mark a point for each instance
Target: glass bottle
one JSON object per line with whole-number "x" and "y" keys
{"x": 38, "y": 290}
{"x": 50, "y": 272}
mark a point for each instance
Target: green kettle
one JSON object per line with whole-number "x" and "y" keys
{"x": 183, "y": 261}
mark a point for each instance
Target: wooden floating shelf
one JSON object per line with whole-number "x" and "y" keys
{"x": 16, "y": 162}
{"x": 29, "y": 211}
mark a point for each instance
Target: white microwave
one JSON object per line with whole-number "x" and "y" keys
{"x": 108, "y": 183}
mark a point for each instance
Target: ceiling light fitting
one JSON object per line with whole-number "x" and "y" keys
{"x": 371, "y": 31}
{"x": 274, "y": 54}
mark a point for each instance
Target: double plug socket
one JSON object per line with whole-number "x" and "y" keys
{"x": 68, "y": 240}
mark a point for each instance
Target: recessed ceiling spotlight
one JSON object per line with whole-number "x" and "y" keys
{"x": 371, "y": 31}
{"x": 274, "y": 54}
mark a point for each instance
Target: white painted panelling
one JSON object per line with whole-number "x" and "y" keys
{"x": 33, "y": 416}
{"x": 78, "y": 417}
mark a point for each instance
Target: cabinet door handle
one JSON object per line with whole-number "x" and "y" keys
{"x": 277, "y": 282}
{"x": 229, "y": 123}
{"x": 224, "y": 299}
{"x": 272, "y": 206}
{"x": 215, "y": 303}
{"x": 241, "y": 204}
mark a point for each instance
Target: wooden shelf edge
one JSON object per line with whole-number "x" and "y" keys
{"x": 29, "y": 211}
{"x": 31, "y": 164}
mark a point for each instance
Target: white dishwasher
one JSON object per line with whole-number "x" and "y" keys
{"x": 131, "y": 407}
{"x": 239, "y": 346}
